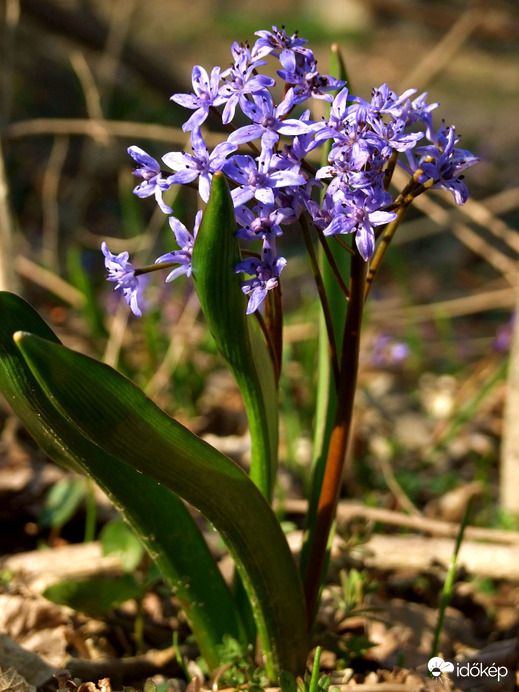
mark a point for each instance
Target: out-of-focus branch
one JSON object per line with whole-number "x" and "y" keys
{"x": 509, "y": 477}
{"x": 8, "y": 280}
{"x": 90, "y": 31}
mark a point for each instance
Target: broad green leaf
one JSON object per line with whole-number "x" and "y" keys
{"x": 238, "y": 338}
{"x": 62, "y": 502}
{"x": 112, "y": 412}
{"x": 157, "y": 515}
{"x": 287, "y": 682}
{"x": 118, "y": 539}
{"x": 94, "y": 597}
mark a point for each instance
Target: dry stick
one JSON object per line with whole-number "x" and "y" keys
{"x": 93, "y": 92}
{"x": 480, "y": 213}
{"x": 394, "y": 487}
{"x": 503, "y": 264}
{"x": 116, "y": 332}
{"x": 86, "y": 28}
{"x": 347, "y": 511}
{"x": 466, "y": 305}
{"x": 89, "y": 87}
{"x": 509, "y": 476}
{"x": 435, "y": 60}
{"x": 383, "y": 246}
{"x": 340, "y": 434}
{"x": 477, "y": 212}
{"x": 49, "y": 281}
{"x": 12, "y": 19}
{"x": 92, "y": 128}
{"x": 8, "y": 280}
{"x": 176, "y": 349}
{"x": 121, "y": 15}
{"x": 501, "y": 202}
{"x": 50, "y": 204}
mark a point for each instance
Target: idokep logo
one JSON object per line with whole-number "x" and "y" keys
{"x": 438, "y": 667}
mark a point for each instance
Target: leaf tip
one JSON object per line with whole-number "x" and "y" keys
{"x": 18, "y": 336}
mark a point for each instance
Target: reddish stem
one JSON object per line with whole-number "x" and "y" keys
{"x": 329, "y": 495}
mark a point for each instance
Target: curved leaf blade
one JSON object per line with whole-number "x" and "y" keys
{"x": 111, "y": 411}
{"x": 157, "y": 515}
{"x": 238, "y": 338}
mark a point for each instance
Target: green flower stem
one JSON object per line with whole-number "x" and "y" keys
{"x": 329, "y": 494}
{"x": 316, "y": 272}
{"x": 331, "y": 260}
{"x": 274, "y": 325}
{"x": 388, "y": 235}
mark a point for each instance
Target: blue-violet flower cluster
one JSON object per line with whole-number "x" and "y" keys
{"x": 272, "y": 183}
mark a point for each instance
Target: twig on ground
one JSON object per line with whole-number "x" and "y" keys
{"x": 49, "y": 281}
{"x": 347, "y": 511}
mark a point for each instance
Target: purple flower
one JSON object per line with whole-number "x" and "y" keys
{"x": 301, "y": 72}
{"x": 444, "y": 163}
{"x": 323, "y": 215}
{"x": 152, "y": 181}
{"x": 279, "y": 44}
{"x": 418, "y": 109}
{"x": 240, "y": 79}
{"x": 392, "y": 136}
{"x": 200, "y": 164}
{"x": 266, "y": 274}
{"x": 361, "y": 214}
{"x": 300, "y": 147}
{"x": 205, "y": 95}
{"x": 387, "y": 352}
{"x": 185, "y": 241}
{"x": 268, "y": 121}
{"x": 122, "y": 273}
{"x": 256, "y": 179}
{"x": 339, "y": 110}
{"x": 383, "y": 100}
{"x": 264, "y": 224}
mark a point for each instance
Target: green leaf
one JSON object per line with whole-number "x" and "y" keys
{"x": 237, "y": 336}
{"x": 112, "y": 412}
{"x": 157, "y": 515}
{"x": 94, "y": 597}
{"x": 287, "y": 682}
{"x": 118, "y": 539}
{"x": 62, "y": 502}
